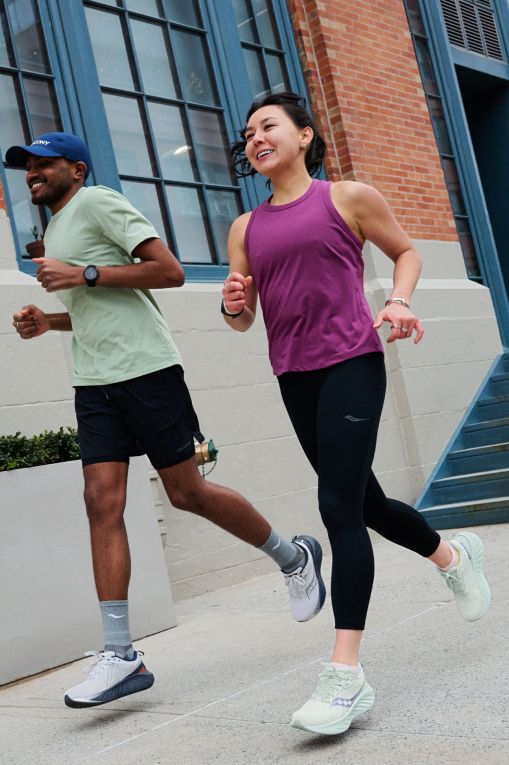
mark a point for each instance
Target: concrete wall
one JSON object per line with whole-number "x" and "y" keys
{"x": 238, "y": 403}
{"x": 47, "y": 599}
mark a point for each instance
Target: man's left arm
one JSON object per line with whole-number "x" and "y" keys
{"x": 158, "y": 268}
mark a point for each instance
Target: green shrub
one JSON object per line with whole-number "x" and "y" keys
{"x": 19, "y": 451}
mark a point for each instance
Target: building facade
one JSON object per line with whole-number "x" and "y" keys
{"x": 411, "y": 97}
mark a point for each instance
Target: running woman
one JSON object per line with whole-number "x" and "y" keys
{"x": 301, "y": 252}
{"x": 130, "y": 394}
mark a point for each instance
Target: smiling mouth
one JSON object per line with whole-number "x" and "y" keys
{"x": 36, "y": 185}
{"x": 264, "y": 153}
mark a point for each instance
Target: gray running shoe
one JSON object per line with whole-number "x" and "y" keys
{"x": 305, "y": 585}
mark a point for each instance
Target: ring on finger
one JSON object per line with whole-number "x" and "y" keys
{"x": 395, "y": 326}
{"x": 404, "y": 329}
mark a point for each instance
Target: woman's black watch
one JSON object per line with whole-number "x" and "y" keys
{"x": 227, "y": 313}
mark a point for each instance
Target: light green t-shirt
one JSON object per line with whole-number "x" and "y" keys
{"x": 118, "y": 333}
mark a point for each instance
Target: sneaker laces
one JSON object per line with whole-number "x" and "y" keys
{"x": 105, "y": 659}
{"x": 331, "y": 680}
{"x": 296, "y": 584}
{"x": 455, "y": 581}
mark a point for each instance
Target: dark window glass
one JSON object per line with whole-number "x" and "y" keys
{"x": 188, "y": 214}
{"x": 276, "y": 69}
{"x": 27, "y": 33}
{"x": 183, "y": 11}
{"x": 439, "y": 126}
{"x": 154, "y": 58}
{"x": 266, "y": 24}
{"x": 42, "y": 105}
{"x": 145, "y": 198}
{"x": 128, "y": 135}
{"x": 254, "y": 64}
{"x": 245, "y": 21}
{"x": 6, "y": 57}
{"x": 210, "y": 141}
{"x": 11, "y": 109}
{"x": 224, "y": 208}
{"x": 110, "y": 51}
{"x": 26, "y": 215}
{"x": 172, "y": 142}
{"x": 149, "y": 7}
{"x": 193, "y": 67}
{"x": 425, "y": 65}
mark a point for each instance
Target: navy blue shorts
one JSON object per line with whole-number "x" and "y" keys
{"x": 152, "y": 414}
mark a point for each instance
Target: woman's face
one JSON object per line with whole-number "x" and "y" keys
{"x": 273, "y": 141}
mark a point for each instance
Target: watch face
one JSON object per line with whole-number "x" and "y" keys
{"x": 90, "y": 272}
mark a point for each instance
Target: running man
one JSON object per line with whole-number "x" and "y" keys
{"x": 131, "y": 397}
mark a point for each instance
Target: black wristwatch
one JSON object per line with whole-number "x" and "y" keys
{"x": 91, "y": 275}
{"x": 226, "y": 313}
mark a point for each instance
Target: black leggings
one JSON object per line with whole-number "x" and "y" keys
{"x": 335, "y": 412}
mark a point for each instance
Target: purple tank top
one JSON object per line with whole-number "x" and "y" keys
{"x": 308, "y": 268}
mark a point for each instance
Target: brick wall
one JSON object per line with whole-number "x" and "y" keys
{"x": 366, "y": 93}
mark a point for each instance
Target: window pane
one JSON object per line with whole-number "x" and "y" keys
{"x": 245, "y": 21}
{"x": 42, "y": 105}
{"x": 188, "y": 215}
{"x": 128, "y": 135}
{"x": 145, "y": 198}
{"x": 26, "y": 215}
{"x": 266, "y": 24}
{"x": 173, "y": 145}
{"x": 6, "y": 58}
{"x": 109, "y": 46}
{"x": 193, "y": 68}
{"x": 224, "y": 208}
{"x": 425, "y": 66}
{"x": 12, "y": 128}
{"x": 439, "y": 126}
{"x": 183, "y": 11}
{"x": 27, "y": 33}
{"x": 143, "y": 6}
{"x": 211, "y": 147}
{"x": 254, "y": 66}
{"x": 276, "y": 68}
{"x": 153, "y": 52}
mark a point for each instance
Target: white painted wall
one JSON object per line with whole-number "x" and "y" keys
{"x": 238, "y": 403}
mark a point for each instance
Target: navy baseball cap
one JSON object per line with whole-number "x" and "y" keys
{"x": 51, "y": 145}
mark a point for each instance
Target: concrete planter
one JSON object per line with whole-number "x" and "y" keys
{"x": 48, "y": 599}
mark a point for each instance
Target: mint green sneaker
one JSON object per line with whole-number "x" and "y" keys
{"x": 337, "y": 700}
{"x": 466, "y": 580}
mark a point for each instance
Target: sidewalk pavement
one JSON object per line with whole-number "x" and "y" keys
{"x": 231, "y": 673}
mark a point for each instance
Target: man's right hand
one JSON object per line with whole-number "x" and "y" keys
{"x": 30, "y": 322}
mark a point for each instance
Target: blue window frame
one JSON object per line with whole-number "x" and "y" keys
{"x": 158, "y": 88}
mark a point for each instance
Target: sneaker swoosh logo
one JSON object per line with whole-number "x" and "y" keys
{"x": 114, "y": 616}
{"x": 276, "y": 546}
{"x": 340, "y": 701}
{"x": 351, "y": 418}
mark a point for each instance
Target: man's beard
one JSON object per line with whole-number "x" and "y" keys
{"x": 52, "y": 196}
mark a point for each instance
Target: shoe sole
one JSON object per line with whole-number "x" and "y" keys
{"x": 362, "y": 704}
{"x": 140, "y": 681}
{"x": 475, "y": 551}
{"x": 316, "y": 552}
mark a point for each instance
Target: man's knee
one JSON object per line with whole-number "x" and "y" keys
{"x": 104, "y": 503}
{"x": 188, "y": 497}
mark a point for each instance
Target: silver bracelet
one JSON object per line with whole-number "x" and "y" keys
{"x": 399, "y": 301}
